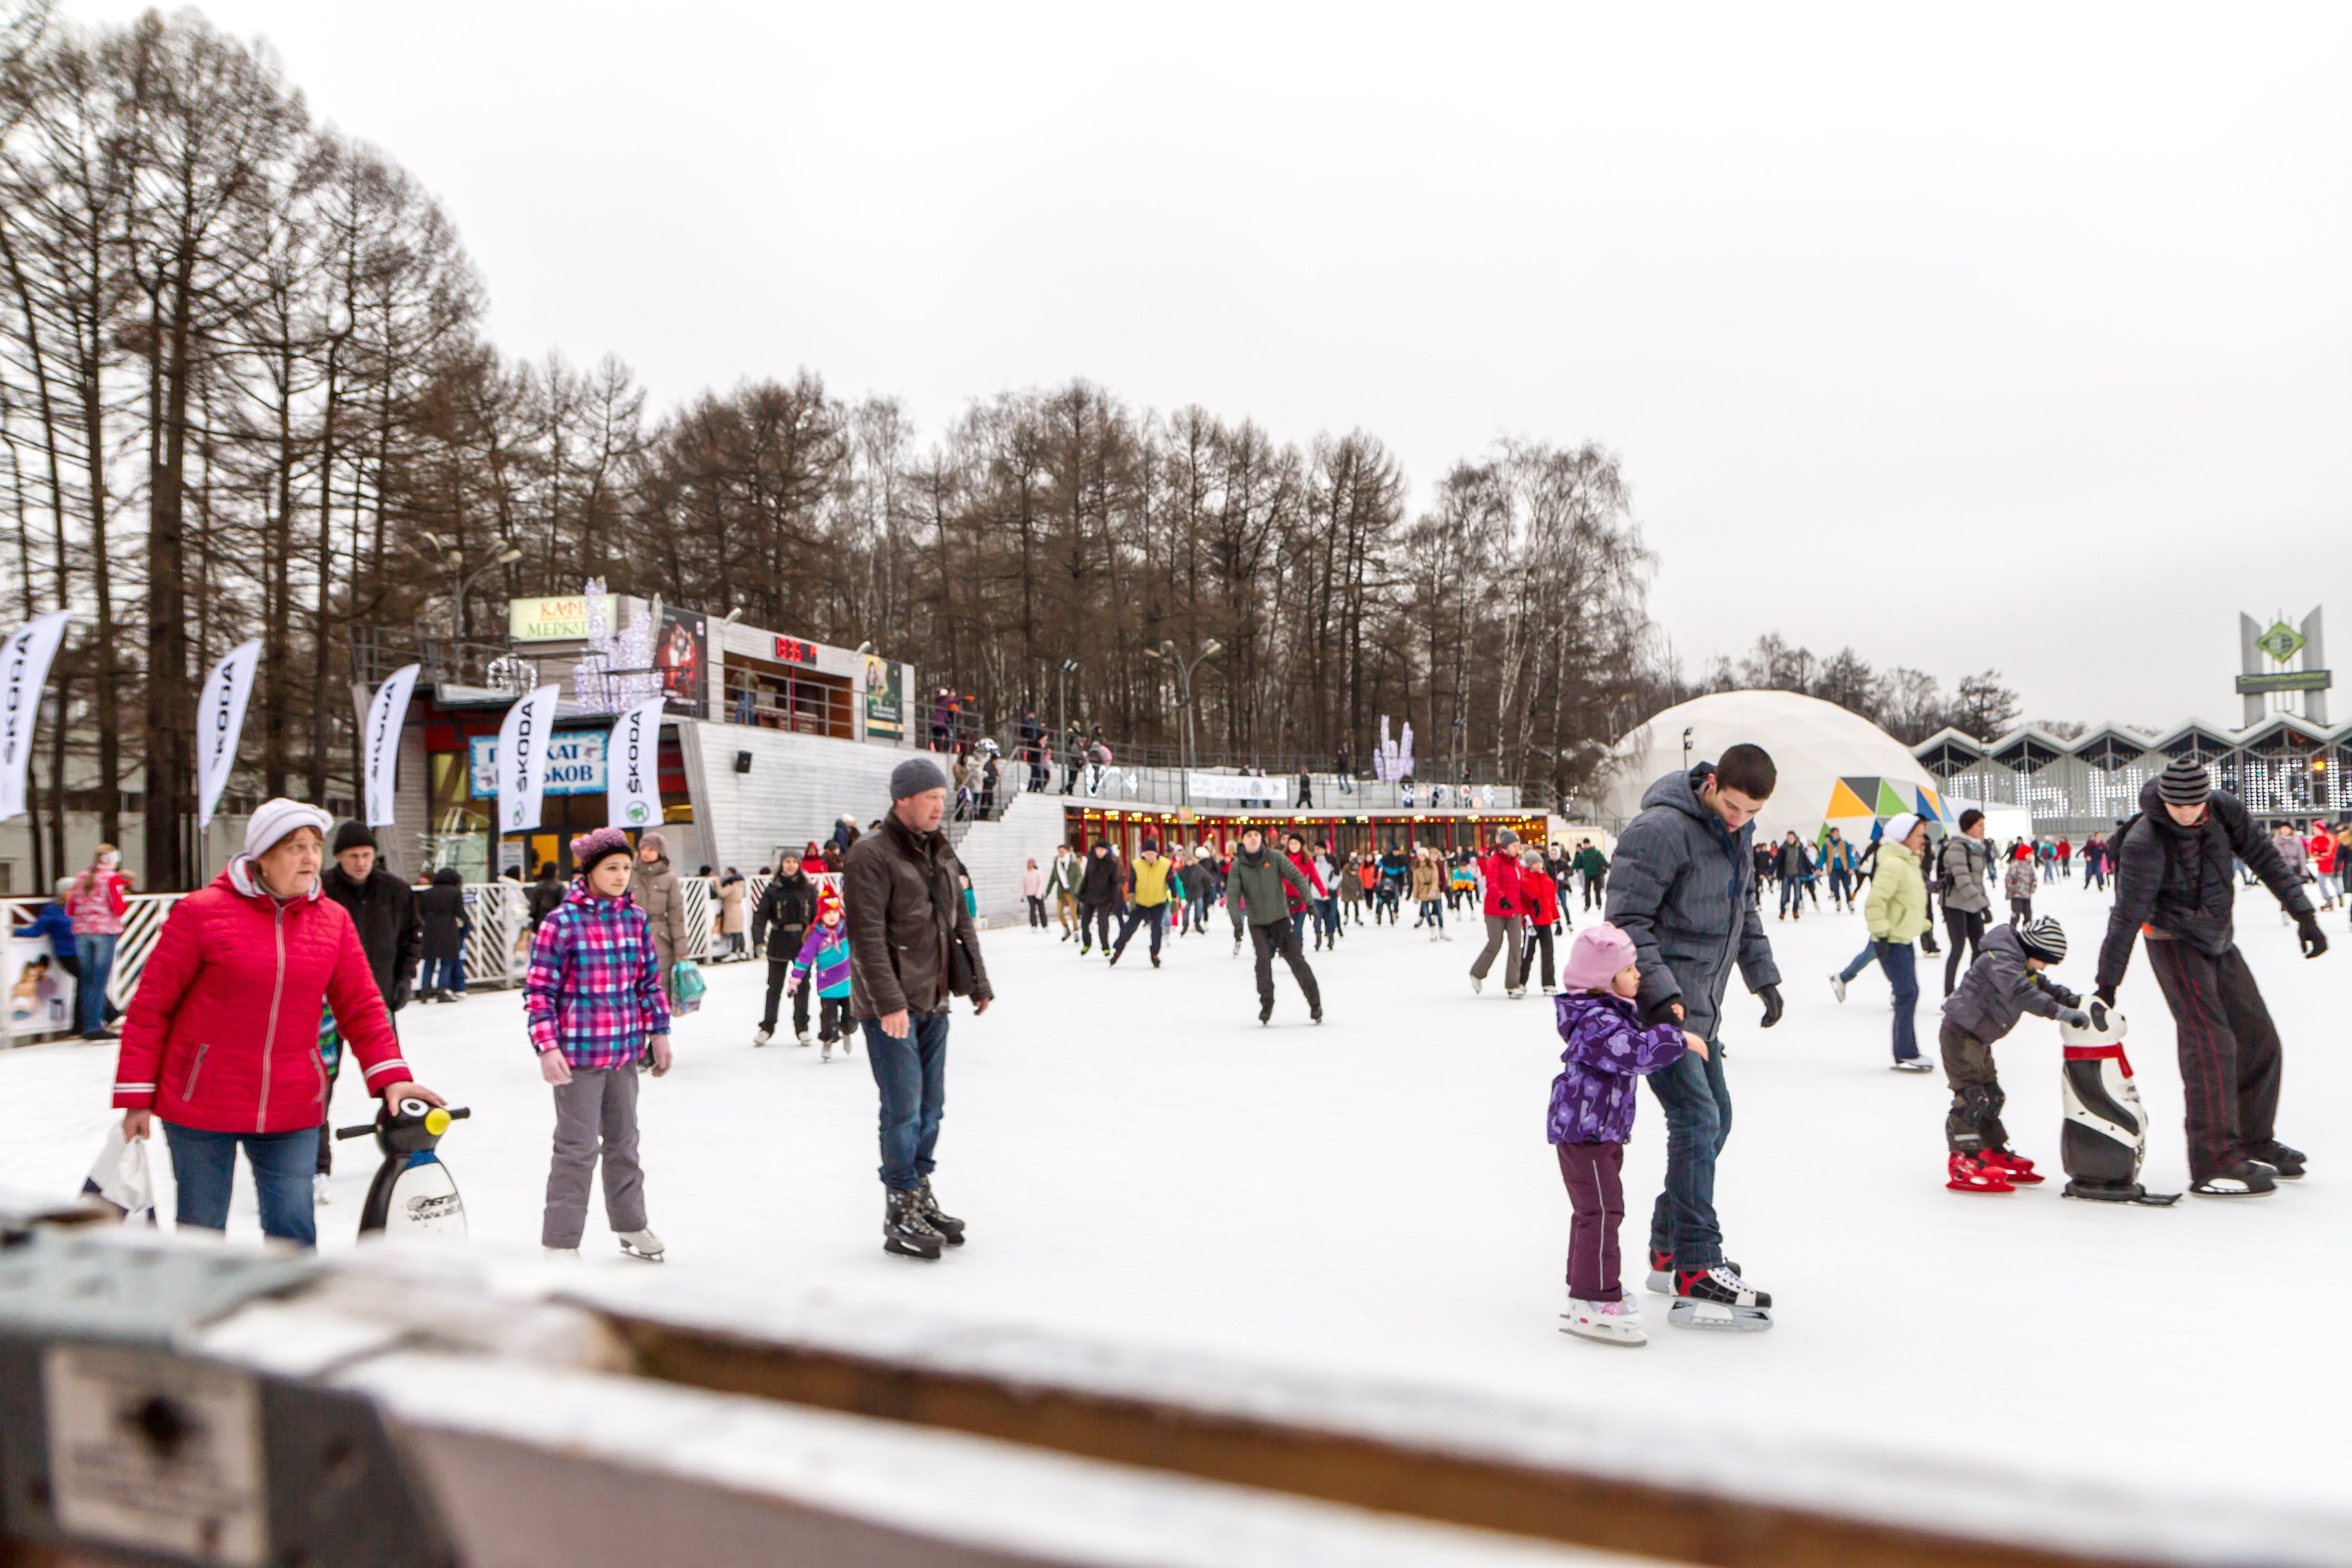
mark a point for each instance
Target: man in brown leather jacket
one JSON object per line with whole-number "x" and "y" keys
{"x": 912, "y": 947}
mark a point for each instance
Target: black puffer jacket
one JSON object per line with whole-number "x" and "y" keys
{"x": 384, "y": 908}
{"x": 1105, "y": 881}
{"x": 442, "y": 909}
{"x": 2177, "y": 882}
{"x": 786, "y": 910}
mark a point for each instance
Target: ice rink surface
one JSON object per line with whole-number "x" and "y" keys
{"x": 1140, "y": 1161}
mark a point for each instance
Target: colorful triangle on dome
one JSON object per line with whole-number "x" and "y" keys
{"x": 1844, "y": 802}
{"x": 1931, "y": 805}
{"x": 1890, "y": 800}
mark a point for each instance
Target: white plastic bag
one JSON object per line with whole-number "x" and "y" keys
{"x": 120, "y": 1179}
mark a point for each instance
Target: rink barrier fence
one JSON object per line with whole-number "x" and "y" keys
{"x": 526, "y": 1415}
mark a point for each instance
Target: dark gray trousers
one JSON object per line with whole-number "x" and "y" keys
{"x": 595, "y": 1114}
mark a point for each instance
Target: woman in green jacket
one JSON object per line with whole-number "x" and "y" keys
{"x": 1896, "y": 912}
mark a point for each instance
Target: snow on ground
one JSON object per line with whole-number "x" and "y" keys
{"x": 1140, "y": 1162}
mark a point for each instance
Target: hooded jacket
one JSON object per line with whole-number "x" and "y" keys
{"x": 1896, "y": 909}
{"x": 594, "y": 989}
{"x": 441, "y": 910}
{"x": 902, "y": 893}
{"x": 222, "y": 1032}
{"x": 1998, "y": 990}
{"x": 1502, "y": 883}
{"x": 1103, "y": 879}
{"x": 2177, "y": 881}
{"x": 1262, "y": 890}
{"x": 1592, "y": 1098}
{"x": 1684, "y": 888}
{"x": 383, "y": 912}
{"x": 1969, "y": 865}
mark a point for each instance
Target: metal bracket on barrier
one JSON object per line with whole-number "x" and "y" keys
{"x": 115, "y": 1438}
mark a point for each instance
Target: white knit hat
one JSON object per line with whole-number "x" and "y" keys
{"x": 1899, "y": 828}
{"x": 274, "y": 819}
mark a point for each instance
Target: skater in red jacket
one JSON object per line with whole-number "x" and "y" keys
{"x": 1503, "y": 914}
{"x": 1539, "y": 904}
{"x": 221, "y": 1042}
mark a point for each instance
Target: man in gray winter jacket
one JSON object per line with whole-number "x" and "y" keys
{"x": 1684, "y": 888}
{"x": 1962, "y": 877}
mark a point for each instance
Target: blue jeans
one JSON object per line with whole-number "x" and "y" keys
{"x": 1791, "y": 892}
{"x": 1901, "y": 966}
{"x": 1698, "y": 1119}
{"x": 204, "y": 1165}
{"x": 95, "y": 952}
{"x": 1861, "y": 960}
{"x": 445, "y": 974}
{"x": 912, "y": 1075}
{"x": 1841, "y": 886}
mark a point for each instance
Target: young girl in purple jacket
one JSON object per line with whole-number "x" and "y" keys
{"x": 1592, "y": 1115}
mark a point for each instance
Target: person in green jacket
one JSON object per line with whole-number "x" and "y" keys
{"x": 1259, "y": 890}
{"x": 1593, "y": 867}
{"x": 1897, "y": 912}
{"x": 1061, "y": 886}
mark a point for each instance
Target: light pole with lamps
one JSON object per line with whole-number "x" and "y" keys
{"x": 1061, "y": 698}
{"x": 1166, "y": 653}
{"x": 457, "y": 611}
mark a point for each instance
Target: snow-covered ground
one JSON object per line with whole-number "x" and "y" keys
{"x": 1140, "y": 1161}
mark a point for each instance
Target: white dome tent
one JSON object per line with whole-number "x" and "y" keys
{"x": 1837, "y": 768}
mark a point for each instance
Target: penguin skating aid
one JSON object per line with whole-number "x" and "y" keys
{"x": 2105, "y": 1137}
{"x": 413, "y": 1198}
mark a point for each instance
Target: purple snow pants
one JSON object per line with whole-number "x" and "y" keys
{"x": 1591, "y": 1171}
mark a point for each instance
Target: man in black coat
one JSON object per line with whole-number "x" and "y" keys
{"x": 786, "y": 912}
{"x": 2173, "y": 876}
{"x": 384, "y": 908}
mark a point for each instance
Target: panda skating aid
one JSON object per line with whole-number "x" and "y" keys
{"x": 2105, "y": 1137}
{"x": 413, "y": 1198}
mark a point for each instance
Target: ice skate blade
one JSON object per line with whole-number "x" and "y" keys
{"x": 1687, "y": 1313}
{"x": 1661, "y": 1282}
{"x": 2100, "y": 1192}
{"x": 1629, "y": 1336}
{"x": 908, "y": 1249}
{"x": 629, "y": 1251}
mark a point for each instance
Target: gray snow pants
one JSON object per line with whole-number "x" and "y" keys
{"x": 595, "y": 1114}
{"x": 1498, "y": 929}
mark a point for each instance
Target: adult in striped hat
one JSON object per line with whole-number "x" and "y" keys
{"x": 2173, "y": 877}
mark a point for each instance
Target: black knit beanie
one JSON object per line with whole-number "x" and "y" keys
{"x": 2184, "y": 782}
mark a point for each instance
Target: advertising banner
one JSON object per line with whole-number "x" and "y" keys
{"x": 220, "y": 720}
{"x": 1240, "y": 790}
{"x": 681, "y": 657}
{"x": 632, "y": 792}
{"x": 562, "y": 618}
{"x": 385, "y": 715}
{"x": 575, "y": 764}
{"x": 886, "y": 699}
{"x": 40, "y": 993}
{"x": 23, "y": 671}
{"x": 523, "y": 742}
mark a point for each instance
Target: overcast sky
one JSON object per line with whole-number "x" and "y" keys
{"x": 2015, "y": 337}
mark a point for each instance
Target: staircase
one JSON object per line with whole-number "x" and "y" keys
{"x": 996, "y": 853}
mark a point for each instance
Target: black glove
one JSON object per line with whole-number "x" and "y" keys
{"x": 1928, "y": 943}
{"x": 1882, "y": 947}
{"x": 1771, "y": 995}
{"x": 2104, "y": 995}
{"x": 2307, "y": 930}
{"x": 400, "y": 994}
{"x": 2076, "y": 1017}
{"x": 1665, "y": 1010}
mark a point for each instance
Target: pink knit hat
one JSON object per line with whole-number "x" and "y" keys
{"x": 1599, "y": 953}
{"x": 596, "y": 845}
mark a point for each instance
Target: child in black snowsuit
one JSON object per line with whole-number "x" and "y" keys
{"x": 2001, "y": 987}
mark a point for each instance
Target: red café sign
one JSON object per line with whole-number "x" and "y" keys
{"x": 792, "y": 650}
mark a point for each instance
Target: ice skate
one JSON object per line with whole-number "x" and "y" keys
{"x": 1971, "y": 1173}
{"x": 318, "y": 1188}
{"x": 762, "y": 1036}
{"x": 1516, "y": 992}
{"x": 802, "y": 1039}
{"x": 1477, "y": 984}
{"x": 1114, "y": 954}
{"x": 2246, "y": 1179}
{"x": 2014, "y": 1167}
{"x": 2286, "y": 1161}
{"x": 905, "y": 1230}
{"x": 1266, "y": 1014}
{"x": 825, "y": 1055}
{"x": 1662, "y": 1271}
{"x": 848, "y": 1041}
{"x": 1617, "y": 1323}
{"x": 556, "y": 1254}
{"x": 1837, "y": 984}
{"x": 1913, "y": 1064}
{"x": 1719, "y": 1299}
{"x": 947, "y": 1224}
{"x": 1155, "y": 960}
{"x": 642, "y": 1244}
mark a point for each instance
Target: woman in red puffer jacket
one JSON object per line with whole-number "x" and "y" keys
{"x": 221, "y": 1037}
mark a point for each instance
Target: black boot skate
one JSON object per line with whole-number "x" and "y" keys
{"x": 904, "y": 1229}
{"x": 947, "y": 1224}
{"x": 1718, "y": 1298}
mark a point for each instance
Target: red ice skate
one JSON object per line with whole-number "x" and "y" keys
{"x": 1970, "y": 1175}
{"x": 2014, "y": 1168}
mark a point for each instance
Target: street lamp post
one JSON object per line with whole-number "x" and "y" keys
{"x": 458, "y": 612}
{"x": 1166, "y": 653}
{"x": 1061, "y": 698}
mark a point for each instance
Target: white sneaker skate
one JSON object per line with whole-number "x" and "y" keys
{"x": 1617, "y": 1323}
{"x": 1478, "y": 984}
{"x": 642, "y": 1244}
{"x": 802, "y": 1039}
{"x": 762, "y": 1036}
{"x": 319, "y": 1189}
{"x": 827, "y": 1055}
{"x": 553, "y": 1254}
{"x": 1837, "y": 984}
